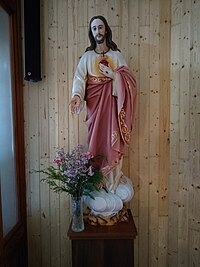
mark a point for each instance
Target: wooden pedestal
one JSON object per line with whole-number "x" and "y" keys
{"x": 104, "y": 246}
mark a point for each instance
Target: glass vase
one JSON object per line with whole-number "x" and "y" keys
{"x": 77, "y": 214}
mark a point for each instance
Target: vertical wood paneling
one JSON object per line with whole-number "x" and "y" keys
{"x": 82, "y": 44}
{"x": 194, "y": 212}
{"x": 154, "y": 88}
{"x": 164, "y": 111}
{"x": 71, "y": 66}
{"x": 143, "y": 102}
{"x": 52, "y": 81}
{"x": 32, "y": 149}
{"x": 194, "y": 244}
{"x": 114, "y": 18}
{"x": 195, "y": 110}
{"x": 133, "y": 62}
{"x": 102, "y": 7}
{"x": 174, "y": 134}
{"x": 63, "y": 124}
{"x": 44, "y": 147}
{"x": 91, "y": 9}
{"x": 164, "y": 118}
{"x": 184, "y": 166}
{"x": 124, "y": 29}
{"x": 183, "y": 193}
{"x": 160, "y": 42}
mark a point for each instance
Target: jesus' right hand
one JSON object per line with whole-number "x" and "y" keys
{"x": 75, "y": 104}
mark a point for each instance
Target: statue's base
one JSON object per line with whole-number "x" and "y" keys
{"x": 121, "y": 216}
{"x": 104, "y": 246}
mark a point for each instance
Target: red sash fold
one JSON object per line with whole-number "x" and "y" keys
{"x": 110, "y": 118}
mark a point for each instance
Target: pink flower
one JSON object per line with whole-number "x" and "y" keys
{"x": 57, "y": 161}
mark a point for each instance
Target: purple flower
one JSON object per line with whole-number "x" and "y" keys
{"x": 74, "y": 171}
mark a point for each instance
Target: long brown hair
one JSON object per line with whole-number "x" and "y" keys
{"x": 109, "y": 40}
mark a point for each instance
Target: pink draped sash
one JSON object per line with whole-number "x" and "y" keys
{"x": 110, "y": 118}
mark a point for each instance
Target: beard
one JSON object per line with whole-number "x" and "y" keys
{"x": 99, "y": 38}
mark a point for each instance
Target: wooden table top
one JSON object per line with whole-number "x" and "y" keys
{"x": 122, "y": 230}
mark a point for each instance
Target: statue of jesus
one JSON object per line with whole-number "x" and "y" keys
{"x": 105, "y": 83}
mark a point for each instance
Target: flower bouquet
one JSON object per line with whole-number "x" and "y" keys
{"x": 74, "y": 173}
{"x": 77, "y": 174}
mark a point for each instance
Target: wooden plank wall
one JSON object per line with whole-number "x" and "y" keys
{"x": 161, "y": 42}
{"x": 184, "y": 180}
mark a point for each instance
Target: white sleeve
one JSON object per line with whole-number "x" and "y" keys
{"x": 80, "y": 78}
{"x": 120, "y": 62}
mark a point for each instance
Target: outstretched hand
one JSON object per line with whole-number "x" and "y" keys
{"x": 107, "y": 71}
{"x": 75, "y": 104}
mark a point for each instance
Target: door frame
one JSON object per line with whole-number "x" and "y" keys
{"x": 19, "y": 232}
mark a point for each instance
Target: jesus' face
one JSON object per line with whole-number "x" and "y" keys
{"x": 98, "y": 30}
